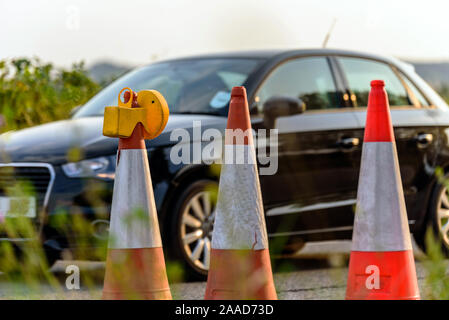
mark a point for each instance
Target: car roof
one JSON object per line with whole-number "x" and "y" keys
{"x": 254, "y": 54}
{"x": 285, "y": 54}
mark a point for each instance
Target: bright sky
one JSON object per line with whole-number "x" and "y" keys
{"x": 137, "y": 31}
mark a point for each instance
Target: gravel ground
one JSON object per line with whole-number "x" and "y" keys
{"x": 319, "y": 271}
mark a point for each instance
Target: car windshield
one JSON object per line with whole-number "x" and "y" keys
{"x": 189, "y": 86}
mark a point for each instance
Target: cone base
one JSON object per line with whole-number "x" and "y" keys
{"x": 155, "y": 295}
{"x": 382, "y": 276}
{"x": 240, "y": 275}
{"x": 136, "y": 274}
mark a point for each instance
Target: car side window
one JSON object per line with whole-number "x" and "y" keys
{"x": 309, "y": 79}
{"x": 359, "y": 74}
{"x": 421, "y": 99}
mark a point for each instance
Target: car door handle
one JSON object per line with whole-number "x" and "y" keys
{"x": 424, "y": 139}
{"x": 348, "y": 142}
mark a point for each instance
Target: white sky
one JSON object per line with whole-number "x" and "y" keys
{"x": 137, "y": 31}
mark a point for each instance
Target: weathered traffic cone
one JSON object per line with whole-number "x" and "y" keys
{"x": 381, "y": 265}
{"x": 240, "y": 266}
{"x": 135, "y": 266}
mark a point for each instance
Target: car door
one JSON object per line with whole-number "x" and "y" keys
{"x": 414, "y": 127}
{"x": 315, "y": 179}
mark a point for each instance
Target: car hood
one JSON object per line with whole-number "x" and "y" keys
{"x": 52, "y": 141}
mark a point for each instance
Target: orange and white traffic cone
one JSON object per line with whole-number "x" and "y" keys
{"x": 381, "y": 265}
{"x": 240, "y": 266}
{"x": 135, "y": 266}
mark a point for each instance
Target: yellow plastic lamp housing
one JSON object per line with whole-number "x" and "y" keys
{"x": 152, "y": 113}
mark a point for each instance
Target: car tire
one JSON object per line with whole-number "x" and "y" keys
{"x": 437, "y": 218}
{"x": 190, "y": 229}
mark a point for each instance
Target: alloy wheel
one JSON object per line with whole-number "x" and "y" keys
{"x": 443, "y": 216}
{"x": 196, "y": 229}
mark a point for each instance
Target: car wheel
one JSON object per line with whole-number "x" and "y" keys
{"x": 192, "y": 228}
{"x": 438, "y": 218}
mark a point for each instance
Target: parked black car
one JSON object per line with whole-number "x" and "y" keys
{"x": 312, "y": 194}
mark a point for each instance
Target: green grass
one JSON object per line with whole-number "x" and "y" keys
{"x": 435, "y": 264}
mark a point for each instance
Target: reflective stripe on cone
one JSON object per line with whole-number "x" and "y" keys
{"x": 134, "y": 222}
{"x": 381, "y": 218}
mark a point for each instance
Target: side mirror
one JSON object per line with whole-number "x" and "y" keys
{"x": 281, "y": 106}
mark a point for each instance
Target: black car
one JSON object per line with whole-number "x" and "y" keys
{"x": 315, "y": 98}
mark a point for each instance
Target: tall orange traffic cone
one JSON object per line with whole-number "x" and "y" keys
{"x": 240, "y": 266}
{"x": 135, "y": 266}
{"x": 381, "y": 264}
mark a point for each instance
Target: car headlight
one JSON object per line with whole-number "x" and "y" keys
{"x": 102, "y": 167}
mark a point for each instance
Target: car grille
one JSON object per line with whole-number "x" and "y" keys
{"x": 32, "y": 179}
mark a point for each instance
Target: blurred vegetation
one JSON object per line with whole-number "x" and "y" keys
{"x": 33, "y": 92}
{"x": 435, "y": 264}
{"x": 26, "y": 264}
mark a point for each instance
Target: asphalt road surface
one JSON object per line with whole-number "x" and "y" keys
{"x": 319, "y": 271}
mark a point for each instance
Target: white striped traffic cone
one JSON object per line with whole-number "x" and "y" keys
{"x": 135, "y": 266}
{"x": 240, "y": 266}
{"x": 381, "y": 265}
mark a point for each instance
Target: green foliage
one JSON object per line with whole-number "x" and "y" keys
{"x": 32, "y": 92}
{"x": 435, "y": 264}
{"x": 437, "y": 279}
